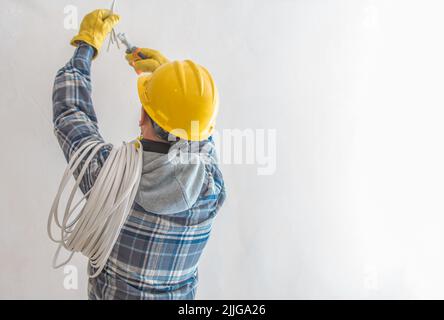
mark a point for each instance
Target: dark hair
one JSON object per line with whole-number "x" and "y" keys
{"x": 162, "y": 134}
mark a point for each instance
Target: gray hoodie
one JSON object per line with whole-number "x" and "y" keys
{"x": 157, "y": 252}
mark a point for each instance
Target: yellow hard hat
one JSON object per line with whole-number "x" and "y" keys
{"x": 182, "y": 98}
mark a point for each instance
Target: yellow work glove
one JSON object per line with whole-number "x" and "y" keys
{"x": 155, "y": 59}
{"x": 94, "y": 28}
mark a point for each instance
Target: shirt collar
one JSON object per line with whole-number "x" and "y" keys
{"x": 155, "y": 146}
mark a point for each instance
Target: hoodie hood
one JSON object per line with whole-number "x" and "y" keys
{"x": 167, "y": 185}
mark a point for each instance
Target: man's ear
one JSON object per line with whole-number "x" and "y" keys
{"x": 143, "y": 117}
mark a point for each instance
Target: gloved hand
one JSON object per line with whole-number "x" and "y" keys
{"x": 155, "y": 59}
{"x": 94, "y": 28}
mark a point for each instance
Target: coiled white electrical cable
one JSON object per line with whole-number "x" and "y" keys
{"x": 94, "y": 230}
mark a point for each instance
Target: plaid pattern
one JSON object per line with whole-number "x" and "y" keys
{"x": 155, "y": 256}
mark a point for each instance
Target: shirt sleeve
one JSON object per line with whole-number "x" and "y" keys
{"x": 75, "y": 121}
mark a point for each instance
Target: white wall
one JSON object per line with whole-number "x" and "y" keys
{"x": 355, "y": 91}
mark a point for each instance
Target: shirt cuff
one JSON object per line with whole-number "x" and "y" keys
{"x": 82, "y": 58}
{"x": 85, "y": 50}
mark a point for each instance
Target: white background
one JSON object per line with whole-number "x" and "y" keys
{"x": 355, "y": 92}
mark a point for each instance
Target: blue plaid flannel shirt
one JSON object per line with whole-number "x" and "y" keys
{"x": 155, "y": 256}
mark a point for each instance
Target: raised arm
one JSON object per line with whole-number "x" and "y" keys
{"x": 75, "y": 121}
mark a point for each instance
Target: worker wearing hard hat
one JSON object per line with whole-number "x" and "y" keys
{"x": 157, "y": 252}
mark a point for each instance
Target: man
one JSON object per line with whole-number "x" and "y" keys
{"x": 159, "y": 246}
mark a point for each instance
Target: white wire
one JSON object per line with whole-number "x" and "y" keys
{"x": 94, "y": 230}
{"x": 112, "y": 35}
